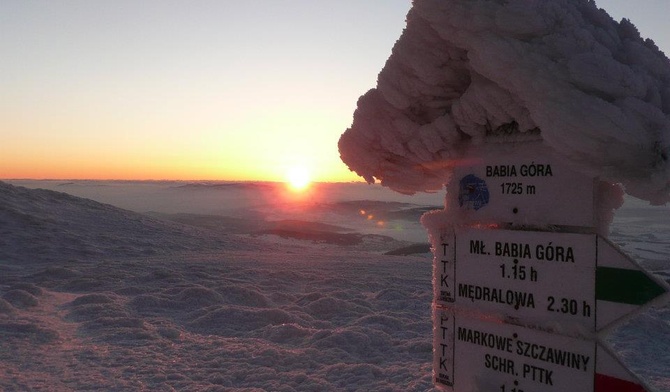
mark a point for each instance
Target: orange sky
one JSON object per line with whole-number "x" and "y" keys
{"x": 225, "y": 90}
{"x": 260, "y": 148}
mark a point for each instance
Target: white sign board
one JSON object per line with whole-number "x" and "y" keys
{"x": 521, "y": 189}
{"x": 553, "y": 280}
{"x": 498, "y": 357}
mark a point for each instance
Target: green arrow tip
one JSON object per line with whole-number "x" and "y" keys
{"x": 626, "y": 286}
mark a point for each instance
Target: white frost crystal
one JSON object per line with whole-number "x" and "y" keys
{"x": 465, "y": 73}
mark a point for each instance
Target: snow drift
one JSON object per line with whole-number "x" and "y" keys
{"x": 93, "y": 297}
{"x": 465, "y": 73}
{"x": 40, "y": 225}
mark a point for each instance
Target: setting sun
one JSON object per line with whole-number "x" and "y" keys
{"x": 298, "y": 178}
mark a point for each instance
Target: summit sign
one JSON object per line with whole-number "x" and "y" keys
{"x": 522, "y": 189}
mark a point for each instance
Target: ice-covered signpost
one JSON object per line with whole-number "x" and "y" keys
{"x": 524, "y": 283}
{"x": 536, "y": 116}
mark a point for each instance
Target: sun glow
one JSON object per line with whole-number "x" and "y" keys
{"x": 298, "y": 179}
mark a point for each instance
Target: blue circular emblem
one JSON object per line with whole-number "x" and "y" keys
{"x": 473, "y": 193}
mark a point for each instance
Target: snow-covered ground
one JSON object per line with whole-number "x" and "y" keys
{"x": 240, "y": 286}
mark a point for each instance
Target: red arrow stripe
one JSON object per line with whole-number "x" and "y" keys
{"x": 611, "y": 384}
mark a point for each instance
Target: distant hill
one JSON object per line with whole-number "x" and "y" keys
{"x": 38, "y": 225}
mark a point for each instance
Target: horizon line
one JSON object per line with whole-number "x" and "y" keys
{"x": 177, "y": 180}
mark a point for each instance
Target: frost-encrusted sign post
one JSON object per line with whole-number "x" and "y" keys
{"x": 530, "y": 112}
{"x": 524, "y": 284}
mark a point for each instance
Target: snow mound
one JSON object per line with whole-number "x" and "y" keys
{"x": 20, "y": 299}
{"x": 465, "y": 73}
{"x": 5, "y": 307}
{"x": 29, "y": 332}
{"x": 40, "y": 225}
{"x": 237, "y": 320}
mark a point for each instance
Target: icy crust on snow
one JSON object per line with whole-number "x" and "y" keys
{"x": 465, "y": 73}
{"x": 93, "y": 297}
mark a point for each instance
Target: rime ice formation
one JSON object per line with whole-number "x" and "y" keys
{"x": 465, "y": 73}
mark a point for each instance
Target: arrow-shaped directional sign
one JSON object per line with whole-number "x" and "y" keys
{"x": 578, "y": 281}
{"x": 494, "y": 356}
{"x": 622, "y": 286}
